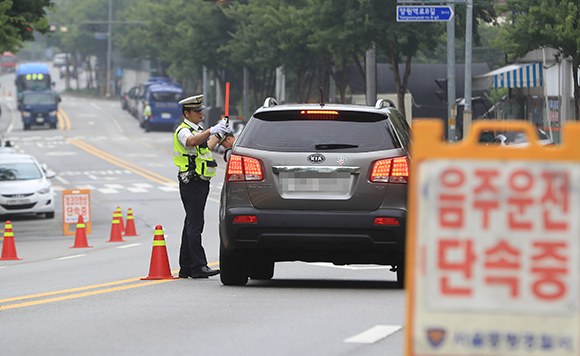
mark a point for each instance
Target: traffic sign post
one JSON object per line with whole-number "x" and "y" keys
{"x": 74, "y": 203}
{"x": 424, "y": 13}
{"x": 493, "y": 248}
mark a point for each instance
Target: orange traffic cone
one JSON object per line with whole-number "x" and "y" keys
{"x": 130, "y": 228}
{"x": 8, "y": 247}
{"x": 116, "y": 230}
{"x": 80, "y": 235}
{"x": 159, "y": 268}
{"x": 119, "y": 215}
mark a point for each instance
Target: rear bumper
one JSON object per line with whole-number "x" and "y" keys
{"x": 316, "y": 236}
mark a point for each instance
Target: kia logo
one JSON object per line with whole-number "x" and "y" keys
{"x": 316, "y": 158}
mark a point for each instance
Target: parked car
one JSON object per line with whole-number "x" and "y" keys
{"x": 25, "y": 186}
{"x": 315, "y": 183}
{"x": 60, "y": 59}
{"x": 38, "y": 108}
{"x": 126, "y": 97}
{"x": 71, "y": 72}
{"x": 520, "y": 139}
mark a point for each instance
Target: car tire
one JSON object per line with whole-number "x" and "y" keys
{"x": 401, "y": 275}
{"x": 262, "y": 270}
{"x": 26, "y": 126}
{"x": 233, "y": 268}
{"x": 49, "y": 215}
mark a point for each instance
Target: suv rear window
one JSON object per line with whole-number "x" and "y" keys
{"x": 303, "y": 135}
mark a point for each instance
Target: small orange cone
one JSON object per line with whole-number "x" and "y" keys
{"x": 119, "y": 214}
{"x": 159, "y": 268}
{"x": 80, "y": 235}
{"x": 8, "y": 247}
{"x": 116, "y": 230}
{"x": 130, "y": 228}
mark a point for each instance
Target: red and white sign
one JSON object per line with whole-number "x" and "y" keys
{"x": 74, "y": 203}
{"x": 498, "y": 245}
{"x": 505, "y": 237}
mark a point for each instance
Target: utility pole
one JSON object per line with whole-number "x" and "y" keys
{"x": 371, "y": 76}
{"x": 467, "y": 110}
{"x": 451, "y": 107}
{"x": 109, "y": 46}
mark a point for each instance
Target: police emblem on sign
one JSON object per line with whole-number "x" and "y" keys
{"x": 435, "y": 336}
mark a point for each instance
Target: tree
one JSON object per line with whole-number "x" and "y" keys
{"x": 543, "y": 23}
{"x": 18, "y": 21}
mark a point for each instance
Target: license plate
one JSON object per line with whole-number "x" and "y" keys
{"x": 17, "y": 201}
{"x": 165, "y": 115}
{"x": 40, "y": 119}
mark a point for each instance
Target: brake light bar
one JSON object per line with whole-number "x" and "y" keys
{"x": 242, "y": 168}
{"x": 320, "y": 114}
{"x": 390, "y": 170}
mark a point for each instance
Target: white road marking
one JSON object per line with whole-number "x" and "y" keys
{"x": 73, "y": 256}
{"x": 108, "y": 191}
{"x": 142, "y": 185}
{"x": 137, "y": 190}
{"x": 167, "y": 188}
{"x": 61, "y": 179}
{"x": 374, "y": 334}
{"x": 114, "y": 186}
{"x": 129, "y": 245}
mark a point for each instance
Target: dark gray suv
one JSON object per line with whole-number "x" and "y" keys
{"x": 315, "y": 183}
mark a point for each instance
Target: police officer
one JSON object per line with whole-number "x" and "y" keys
{"x": 192, "y": 147}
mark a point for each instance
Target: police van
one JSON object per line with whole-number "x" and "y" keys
{"x": 165, "y": 110}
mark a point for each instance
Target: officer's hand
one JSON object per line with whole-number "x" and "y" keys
{"x": 220, "y": 128}
{"x": 229, "y": 130}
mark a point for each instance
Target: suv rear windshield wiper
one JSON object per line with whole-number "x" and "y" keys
{"x": 333, "y": 146}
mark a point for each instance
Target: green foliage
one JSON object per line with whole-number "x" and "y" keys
{"x": 496, "y": 95}
{"x": 18, "y": 21}
{"x": 543, "y": 23}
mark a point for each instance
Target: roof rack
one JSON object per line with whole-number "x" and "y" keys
{"x": 269, "y": 102}
{"x": 381, "y": 103}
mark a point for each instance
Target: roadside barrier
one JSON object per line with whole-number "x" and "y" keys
{"x": 159, "y": 268}
{"x": 8, "y": 247}
{"x": 80, "y": 235}
{"x": 119, "y": 214}
{"x": 116, "y": 230}
{"x": 130, "y": 228}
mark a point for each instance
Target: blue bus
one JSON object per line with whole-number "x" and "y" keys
{"x": 165, "y": 110}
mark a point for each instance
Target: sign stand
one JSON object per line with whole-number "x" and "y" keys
{"x": 493, "y": 247}
{"x": 74, "y": 203}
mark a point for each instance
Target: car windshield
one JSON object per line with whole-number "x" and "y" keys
{"x": 166, "y": 97}
{"x": 39, "y": 99}
{"x": 19, "y": 171}
{"x": 514, "y": 137}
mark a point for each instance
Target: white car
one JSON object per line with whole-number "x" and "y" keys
{"x": 24, "y": 186}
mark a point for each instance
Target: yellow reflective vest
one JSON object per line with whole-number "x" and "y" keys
{"x": 202, "y": 163}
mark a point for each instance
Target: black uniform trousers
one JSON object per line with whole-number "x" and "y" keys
{"x": 194, "y": 196}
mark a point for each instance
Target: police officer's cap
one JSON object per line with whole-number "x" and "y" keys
{"x": 194, "y": 103}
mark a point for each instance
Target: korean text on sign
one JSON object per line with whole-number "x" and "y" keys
{"x": 503, "y": 236}
{"x": 75, "y": 205}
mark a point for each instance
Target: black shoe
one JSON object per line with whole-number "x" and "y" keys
{"x": 204, "y": 272}
{"x": 184, "y": 274}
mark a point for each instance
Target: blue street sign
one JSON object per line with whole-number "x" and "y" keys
{"x": 101, "y": 36}
{"x": 423, "y": 13}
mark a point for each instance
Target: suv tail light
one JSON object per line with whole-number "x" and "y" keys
{"x": 394, "y": 170}
{"x": 241, "y": 168}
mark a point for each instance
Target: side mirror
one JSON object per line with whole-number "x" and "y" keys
{"x": 227, "y": 154}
